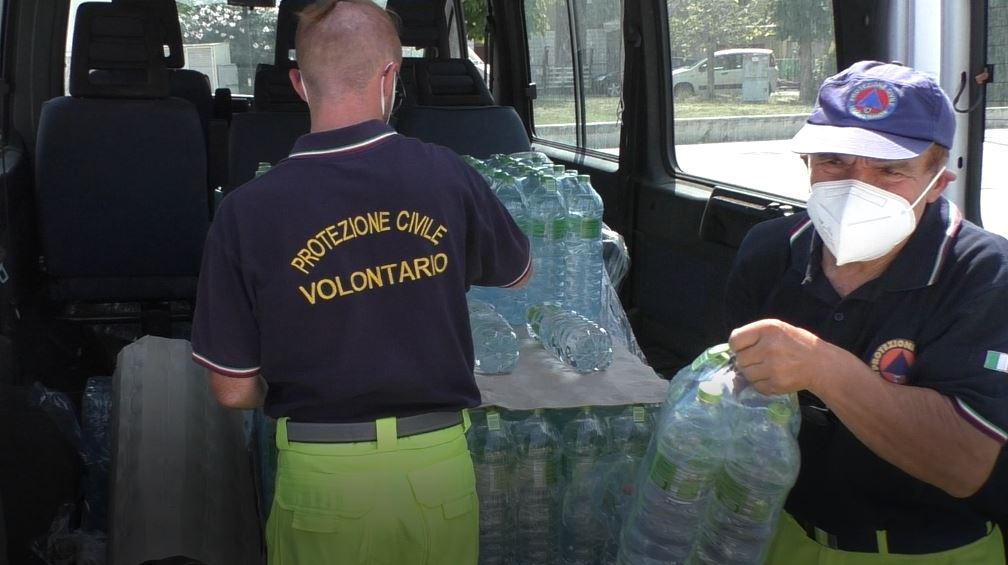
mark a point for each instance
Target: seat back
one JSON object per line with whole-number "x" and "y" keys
{"x": 444, "y": 82}
{"x": 479, "y": 131}
{"x": 120, "y": 169}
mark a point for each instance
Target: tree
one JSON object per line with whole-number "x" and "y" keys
{"x": 806, "y": 22}
{"x": 250, "y": 33}
{"x": 699, "y": 27}
{"x": 536, "y": 12}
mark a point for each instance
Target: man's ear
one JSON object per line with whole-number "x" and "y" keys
{"x": 295, "y": 77}
{"x": 941, "y": 184}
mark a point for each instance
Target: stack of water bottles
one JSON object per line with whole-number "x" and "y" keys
{"x": 570, "y": 337}
{"x": 717, "y": 471}
{"x": 552, "y": 484}
{"x": 561, "y": 213}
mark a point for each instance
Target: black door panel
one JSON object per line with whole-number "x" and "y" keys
{"x": 683, "y": 247}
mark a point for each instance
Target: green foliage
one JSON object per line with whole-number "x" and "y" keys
{"x": 804, "y": 20}
{"x": 699, "y": 26}
{"x": 251, "y": 34}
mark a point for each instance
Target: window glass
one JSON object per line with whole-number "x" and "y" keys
{"x": 552, "y": 70}
{"x": 734, "y": 118}
{"x": 590, "y": 54}
{"x": 600, "y": 41}
{"x": 994, "y": 175}
{"x": 227, "y": 43}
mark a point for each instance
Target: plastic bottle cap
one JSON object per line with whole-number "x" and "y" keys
{"x": 778, "y": 413}
{"x": 709, "y": 392}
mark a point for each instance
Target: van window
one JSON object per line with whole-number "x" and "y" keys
{"x": 588, "y": 55}
{"x": 226, "y": 43}
{"x": 732, "y": 121}
{"x": 994, "y": 174}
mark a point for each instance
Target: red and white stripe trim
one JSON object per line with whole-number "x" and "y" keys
{"x": 799, "y": 230}
{"x": 345, "y": 148}
{"x": 224, "y": 369}
{"x": 522, "y": 275}
{"x": 951, "y": 228}
{"x": 978, "y": 421}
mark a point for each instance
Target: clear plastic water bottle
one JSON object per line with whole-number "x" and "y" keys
{"x": 532, "y": 157}
{"x": 262, "y": 168}
{"x": 96, "y": 441}
{"x": 512, "y": 303}
{"x": 538, "y": 483}
{"x": 583, "y": 286}
{"x": 754, "y": 405}
{"x": 493, "y": 459}
{"x": 495, "y": 345}
{"x": 760, "y": 470}
{"x": 631, "y": 431}
{"x": 567, "y": 184}
{"x": 583, "y": 531}
{"x": 548, "y": 215}
{"x": 684, "y": 383}
{"x": 571, "y": 338}
{"x": 673, "y": 488}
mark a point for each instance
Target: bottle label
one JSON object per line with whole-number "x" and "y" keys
{"x": 667, "y": 476}
{"x": 558, "y": 229}
{"x": 639, "y": 414}
{"x": 591, "y": 228}
{"x": 493, "y": 421}
{"x": 538, "y": 228}
{"x": 740, "y": 500}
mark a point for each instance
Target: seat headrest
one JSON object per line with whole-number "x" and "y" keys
{"x": 287, "y": 20}
{"x": 445, "y": 82}
{"x": 167, "y": 13}
{"x": 273, "y": 92}
{"x": 117, "y": 52}
{"x": 422, "y": 23}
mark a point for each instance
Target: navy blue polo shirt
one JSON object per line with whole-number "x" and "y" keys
{"x": 340, "y": 276}
{"x": 936, "y": 318}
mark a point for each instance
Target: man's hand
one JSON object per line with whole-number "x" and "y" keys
{"x": 778, "y": 358}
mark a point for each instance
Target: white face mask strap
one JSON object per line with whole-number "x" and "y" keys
{"x": 304, "y": 89}
{"x": 928, "y": 188}
{"x": 382, "y": 93}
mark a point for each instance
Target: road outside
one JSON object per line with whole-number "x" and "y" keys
{"x": 770, "y": 166}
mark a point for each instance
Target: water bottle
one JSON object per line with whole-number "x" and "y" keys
{"x": 583, "y": 532}
{"x": 548, "y": 216}
{"x": 512, "y": 303}
{"x": 631, "y": 431}
{"x": 583, "y": 286}
{"x": 495, "y": 345}
{"x": 761, "y": 468}
{"x": 96, "y": 432}
{"x": 673, "y": 488}
{"x": 493, "y": 459}
{"x": 262, "y": 168}
{"x": 571, "y": 338}
{"x": 567, "y": 184}
{"x": 532, "y": 157}
{"x": 684, "y": 383}
{"x": 754, "y": 405}
{"x": 538, "y": 483}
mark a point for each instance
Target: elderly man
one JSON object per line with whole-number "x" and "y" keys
{"x": 887, "y": 312}
{"x": 333, "y": 289}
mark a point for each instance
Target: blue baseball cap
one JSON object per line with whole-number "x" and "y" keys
{"x": 880, "y": 110}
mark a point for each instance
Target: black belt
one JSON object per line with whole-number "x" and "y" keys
{"x": 353, "y": 432}
{"x": 906, "y": 542}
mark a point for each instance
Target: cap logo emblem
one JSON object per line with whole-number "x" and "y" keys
{"x": 872, "y": 101}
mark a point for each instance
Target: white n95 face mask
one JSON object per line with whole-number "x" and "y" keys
{"x": 860, "y": 222}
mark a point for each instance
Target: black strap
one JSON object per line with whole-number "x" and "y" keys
{"x": 354, "y": 432}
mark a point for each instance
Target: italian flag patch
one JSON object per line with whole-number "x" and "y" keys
{"x": 996, "y": 361}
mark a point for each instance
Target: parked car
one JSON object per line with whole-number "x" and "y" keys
{"x": 688, "y": 81}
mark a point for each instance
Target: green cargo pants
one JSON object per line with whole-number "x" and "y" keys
{"x": 394, "y": 501}
{"x": 793, "y": 547}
